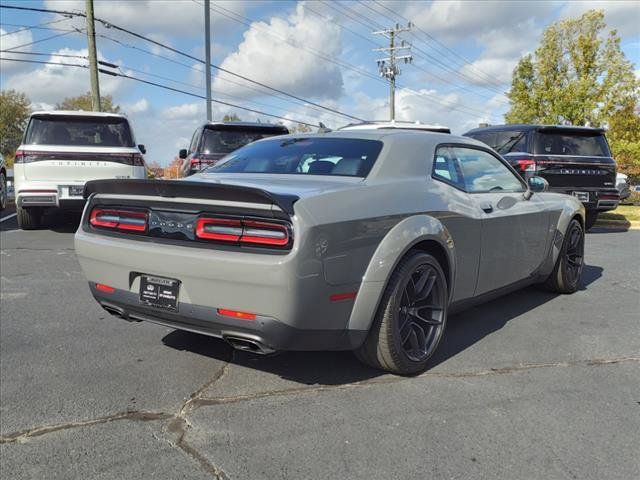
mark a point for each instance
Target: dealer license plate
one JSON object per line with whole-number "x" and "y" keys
{"x": 159, "y": 292}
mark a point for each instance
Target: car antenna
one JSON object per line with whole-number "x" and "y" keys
{"x": 322, "y": 128}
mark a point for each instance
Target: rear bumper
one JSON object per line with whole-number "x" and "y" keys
{"x": 600, "y": 199}
{"x": 266, "y": 332}
{"x": 49, "y": 194}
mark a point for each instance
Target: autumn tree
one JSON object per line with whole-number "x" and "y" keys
{"x": 231, "y": 117}
{"x": 580, "y": 76}
{"x": 300, "y": 128}
{"x": 83, "y": 102}
{"x": 14, "y": 114}
{"x": 174, "y": 170}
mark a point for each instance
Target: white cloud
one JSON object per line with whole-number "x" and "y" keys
{"x": 141, "y": 106}
{"x": 621, "y": 15}
{"x": 161, "y": 17}
{"x": 489, "y": 71}
{"x": 50, "y": 84}
{"x": 9, "y": 41}
{"x": 264, "y": 56}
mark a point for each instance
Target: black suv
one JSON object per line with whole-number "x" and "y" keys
{"x": 214, "y": 140}
{"x": 574, "y": 160}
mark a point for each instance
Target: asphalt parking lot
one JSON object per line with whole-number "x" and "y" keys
{"x": 529, "y": 386}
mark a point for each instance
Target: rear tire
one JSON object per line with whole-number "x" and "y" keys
{"x": 590, "y": 219}
{"x": 410, "y": 319}
{"x": 565, "y": 277}
{"x": 29, "y": 218}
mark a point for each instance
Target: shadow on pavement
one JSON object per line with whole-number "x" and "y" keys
{"x": 338, "y": 368}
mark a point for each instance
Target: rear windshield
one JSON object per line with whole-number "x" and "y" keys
{"x": 503, "y": 141}
{"x": 226, "y": 141}
{"x": 79, "y": 131}
{"x": 307, "y": 156}
{"x": 563, "y": 143}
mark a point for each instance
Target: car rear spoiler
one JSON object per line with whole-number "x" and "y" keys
{"x": 190, "y": 189}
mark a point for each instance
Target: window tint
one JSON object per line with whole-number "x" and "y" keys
{"x": 305, "y": 156}
{"x": 445, "y": 167}
{"x": 551, "y": 143}
{"x": 503, "y": 141}
{"x": 226, "y": 141}
{"x": 482, "y": 172}
{"x": 79, "y": 131}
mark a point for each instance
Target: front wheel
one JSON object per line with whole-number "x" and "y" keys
{"x": 565, "y": 277}
{"x": 591, "y": 217}
{"x": 411, "y": 317}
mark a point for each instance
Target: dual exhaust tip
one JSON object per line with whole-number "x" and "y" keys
{"x": 238, "y": 342}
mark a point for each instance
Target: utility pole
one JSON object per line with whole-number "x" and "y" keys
{"x": 207, "y": 53}
{"x": 93, "y": 60}
{"x": 388, "y": 66}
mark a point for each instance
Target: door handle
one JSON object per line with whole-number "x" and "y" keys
{"x": 487, "y": 207}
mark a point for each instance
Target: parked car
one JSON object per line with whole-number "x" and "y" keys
{"x": 62, "y": 150}
{"x": 351, "y": 240}
{"x": 214, "y": 140}
{"x": 396, "y": 124}
{"x": 574, "y": 160}
{"x": 622, "y": 184}
{"x": 3, "y": 183}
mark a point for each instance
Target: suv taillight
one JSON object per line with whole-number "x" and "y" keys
{"x": 526, "y": 165}
{"x": 243, "y": 231}
{"x": 118, "y": 219}
{"x": 137, "y": 160}
{"x": 23, "y": 156}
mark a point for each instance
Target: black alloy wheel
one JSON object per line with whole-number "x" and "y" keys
{"x": 421, "y": 313}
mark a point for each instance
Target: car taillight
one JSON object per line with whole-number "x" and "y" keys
{"x": 23, "y": 156}
{"x": 137, "y": 160}
{"x": 194, "y": 161}
{"x": 526, "y": 165}
{"x": 118, "y": 219}
{"x": 243, "y": 231}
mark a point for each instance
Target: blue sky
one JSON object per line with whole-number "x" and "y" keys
{"x": 321, "y": 51}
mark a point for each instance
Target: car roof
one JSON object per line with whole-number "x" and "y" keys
{"x": 245, "y": 124}
{"x": 540, "y": 127}
{"x": 396, "y": 124}
{"x": 77, "y": 113}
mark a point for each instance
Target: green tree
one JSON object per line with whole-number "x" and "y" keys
{"x": 580, "y": 76}
{"x": 231, "y": 118}
{"x": 83, "y": 102}
{"x": 14, "y": 113}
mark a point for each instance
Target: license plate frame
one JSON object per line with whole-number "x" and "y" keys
{"x": 75, "y": 190}
{"x": 159, "y": 292}
{"x": 582, "y": 196}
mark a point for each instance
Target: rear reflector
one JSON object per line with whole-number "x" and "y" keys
{"x": 236, "y": 314}
{"x": 243, "y": 231}
{"x": 105, "y": 288}
{"x": 337, "y": 297}
{"x": 117, "y": 219}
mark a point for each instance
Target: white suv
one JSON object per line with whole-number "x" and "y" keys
{"x": 61, "y": 150}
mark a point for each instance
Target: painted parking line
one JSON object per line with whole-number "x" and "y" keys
{"x": 8, "y": 217}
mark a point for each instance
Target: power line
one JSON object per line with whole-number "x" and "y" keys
{"x": 107, "y": 24}
{"x": 166, "y": 87}
{"x": 39, "y": 26}
{"x": 45, "y": 39}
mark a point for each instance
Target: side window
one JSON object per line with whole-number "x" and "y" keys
{"x": 194, "y": 141}
{"x": 445, "y": 168}
{"x": 482, "y": 172}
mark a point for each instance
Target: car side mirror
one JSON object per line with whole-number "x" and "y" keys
{"x": 142, "y": 149}
{"x": 183, "y": 153}
{"x": 538, "y": 184}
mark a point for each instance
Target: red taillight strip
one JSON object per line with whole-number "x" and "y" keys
{"x": 337, "y": 297}
{"x": 224, "y": 229}
{"x": 118, "y": 219}
{"x": 253, "y": 232}
{"x": 105, "y": 288}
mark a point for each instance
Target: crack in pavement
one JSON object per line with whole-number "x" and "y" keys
{"x": 205, "y": 401}
{"x": 180, "y": 425}
{"x": 134, "y": 415}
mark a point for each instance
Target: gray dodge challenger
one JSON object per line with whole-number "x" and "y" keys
{"x": 352, "y": 240}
